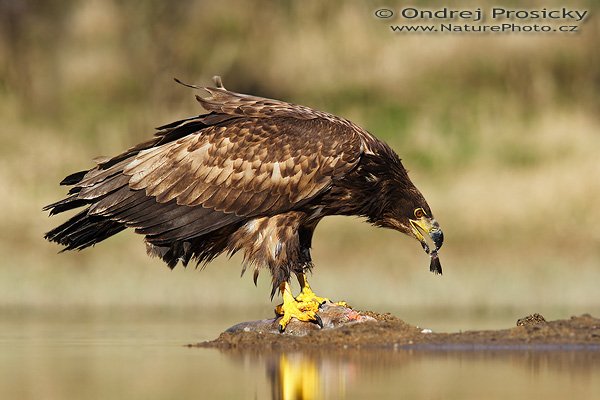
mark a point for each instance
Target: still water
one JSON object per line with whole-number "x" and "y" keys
{"x": 135, "y": 356}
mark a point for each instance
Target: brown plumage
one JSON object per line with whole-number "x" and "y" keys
{"x": 253, "y": 175}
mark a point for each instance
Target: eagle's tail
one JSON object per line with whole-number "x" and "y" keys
{"x": 83, "y": 230}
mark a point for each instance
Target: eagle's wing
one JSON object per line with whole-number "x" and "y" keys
{"x": 252, "y": 156}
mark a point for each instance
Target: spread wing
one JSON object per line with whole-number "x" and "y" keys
{"x": 249, "y": 156}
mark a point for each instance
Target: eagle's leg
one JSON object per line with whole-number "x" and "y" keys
{"x": 291, "y": 308}
{"x": 307, "y": 298}
{"x": 307, "y": 295}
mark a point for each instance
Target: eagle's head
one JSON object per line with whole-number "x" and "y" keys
{"x": 394, "y": 202}
{"x": 422, "y": 223}
{"x": 407, "y": 211}
{"x": 380, "y": 190}
{"x": 410, "y": 214}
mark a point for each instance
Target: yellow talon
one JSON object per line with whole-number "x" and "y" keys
{"x": 304, "y": 307}
{"x": 291, "y": 308}
{"x": 307, "y": 295}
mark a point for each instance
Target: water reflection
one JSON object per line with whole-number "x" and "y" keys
{"x": 349, "y": 374}
{"x": 144, "y": 357}
{"x": 294, "y": 376}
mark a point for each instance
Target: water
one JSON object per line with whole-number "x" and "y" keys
{"x": 139, "y": 356}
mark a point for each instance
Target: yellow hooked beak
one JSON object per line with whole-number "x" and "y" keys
{"x": 429, "y": 226}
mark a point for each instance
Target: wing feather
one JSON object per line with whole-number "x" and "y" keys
{"x": 249, "y": 203}
{"x": 197, "y": 226}
{"x": 229, "y": 202}
{"x": 268, "y": 161}
{"x": 109, "y": 185}
{"x": 98, "y": 175}
{"x": 174, "y": 218}
{"x": 247, "y": 157}
{"x": 217, "y": 198}
{"x": 121, "y": 198}
{"x": 206, "y": 194}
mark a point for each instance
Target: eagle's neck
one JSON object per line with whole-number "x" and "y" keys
{"x": 369, "y": 189}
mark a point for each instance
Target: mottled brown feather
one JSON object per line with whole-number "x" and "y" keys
{"x": 211, "y": 164}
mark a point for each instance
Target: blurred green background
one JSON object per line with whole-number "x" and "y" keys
{"x": 500, "y": 132}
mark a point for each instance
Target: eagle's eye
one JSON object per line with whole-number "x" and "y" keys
{"x": 419, "y": 213}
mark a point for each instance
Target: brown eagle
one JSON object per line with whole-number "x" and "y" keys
{"x": 252, "y": 174}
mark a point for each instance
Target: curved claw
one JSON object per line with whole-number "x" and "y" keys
{"x": 318, "y": 321}
{"x": 291, "y": 308}
{"x": 278, "y": 310}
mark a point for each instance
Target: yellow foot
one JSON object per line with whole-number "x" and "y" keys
{"x": 291, "y": 308}
{"x": 307, "y": 295}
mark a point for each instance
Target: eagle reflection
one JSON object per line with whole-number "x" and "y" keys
{"x": 299, "y": 376}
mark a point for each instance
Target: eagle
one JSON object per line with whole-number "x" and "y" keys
{"x": 251, "y": 174}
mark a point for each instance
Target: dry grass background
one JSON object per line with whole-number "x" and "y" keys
{"x": 500, "y": 132}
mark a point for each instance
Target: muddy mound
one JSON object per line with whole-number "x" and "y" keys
{"x": 346, "y": 328}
